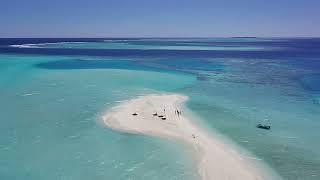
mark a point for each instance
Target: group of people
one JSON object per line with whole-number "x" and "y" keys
{"x": 177, "y": 112}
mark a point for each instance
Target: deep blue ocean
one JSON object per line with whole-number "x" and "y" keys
{"x": 54, "y": 91}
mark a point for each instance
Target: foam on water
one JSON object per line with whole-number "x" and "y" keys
{"x": 42, "y": 45}
{"x": 129, "y": 44}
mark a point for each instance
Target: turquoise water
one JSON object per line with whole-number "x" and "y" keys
{"x": 50, "y": 125}
{"x": 51, "y": 106}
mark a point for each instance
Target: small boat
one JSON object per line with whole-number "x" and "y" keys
{"x": 155, "y": 114}
{"x": 160, "y": 116}
{"x": 134, "y": 114}
{"x": 261, "y": 126}
{"x": 163, "y": 118}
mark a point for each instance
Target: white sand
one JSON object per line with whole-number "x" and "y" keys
{"x": 215, "y": 159}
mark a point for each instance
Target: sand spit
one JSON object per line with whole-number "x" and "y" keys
{"x": 215, "y": 159}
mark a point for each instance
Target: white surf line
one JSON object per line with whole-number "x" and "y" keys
{"x": 29, "y": 94}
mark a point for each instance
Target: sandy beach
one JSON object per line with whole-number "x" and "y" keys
{"x": 215, "y": 159}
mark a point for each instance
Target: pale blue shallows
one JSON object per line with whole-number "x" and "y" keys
{"x": 50, "y": 125}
